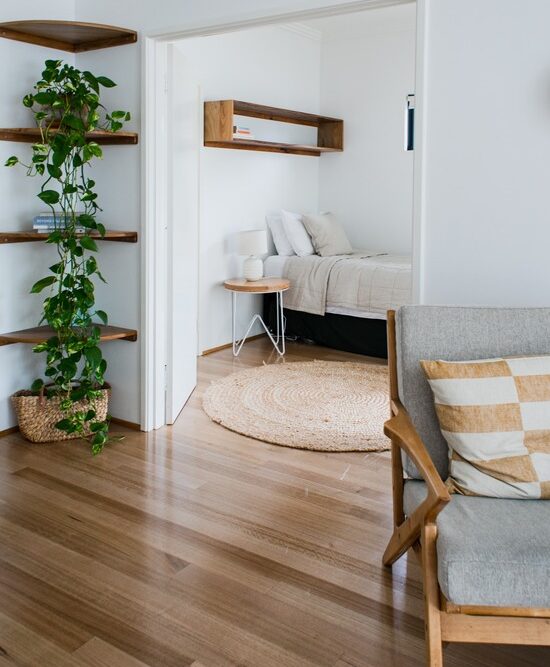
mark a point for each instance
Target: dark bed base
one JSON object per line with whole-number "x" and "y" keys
{"x": 342, "y": 332}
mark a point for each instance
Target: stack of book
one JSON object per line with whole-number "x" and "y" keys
{"x": 48, "y": 222}
{"x": 240, "y": 132}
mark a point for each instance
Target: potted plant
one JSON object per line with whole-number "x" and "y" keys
{"x": 66, "y": 105}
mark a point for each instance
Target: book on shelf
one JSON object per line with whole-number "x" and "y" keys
{"x": 49, "y": 230}
{"x": 49, "y": 222}
{"x": 241, "y": 132}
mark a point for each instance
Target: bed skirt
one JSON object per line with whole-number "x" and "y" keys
{"x": 341, "y": 332}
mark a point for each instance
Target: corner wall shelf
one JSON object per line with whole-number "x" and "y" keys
{"x": 219, "y": 121}
{"x": 71, "y": 36}
{"x": 30, "y": 236}
{"x": 33, "y": 134}
{"x": 41, "y": 334}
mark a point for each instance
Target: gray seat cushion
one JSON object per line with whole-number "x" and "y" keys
{"x": 457, "y": 334}
{"x": 491, "y": 551}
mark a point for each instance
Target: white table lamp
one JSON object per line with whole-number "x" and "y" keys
{"x": 253, "y": 244}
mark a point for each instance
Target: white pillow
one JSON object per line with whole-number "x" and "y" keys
{"x": 327, "y": 234}
{"x": 296, "y": 233}
{"x": 282, "y": 244}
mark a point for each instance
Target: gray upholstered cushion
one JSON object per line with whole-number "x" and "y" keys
{"x": 491, "y": 551}
{"x": 457, "y": 334}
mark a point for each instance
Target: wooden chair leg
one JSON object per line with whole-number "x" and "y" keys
{"x": 432, "y": 612}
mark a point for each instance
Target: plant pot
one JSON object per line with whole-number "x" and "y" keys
{"x": 38, "y": 415}
{"x": 53, "y": 119}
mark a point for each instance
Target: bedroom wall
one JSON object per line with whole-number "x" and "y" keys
{"x": 274, "y": 66}
{"x": 21, "y": 264}
{"x": 486, "y": 201}
{"x": 367, "y": 69}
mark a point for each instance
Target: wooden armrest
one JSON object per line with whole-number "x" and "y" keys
{"x": 402, "y": 432}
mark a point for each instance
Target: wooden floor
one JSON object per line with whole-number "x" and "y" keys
{"x": 196, "y": 546}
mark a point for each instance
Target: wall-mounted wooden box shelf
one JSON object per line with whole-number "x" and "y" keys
{"x": 69, "y": 36}
{"x": 219, "y": 121}
{"x": 40, "y": 334}
{"x": 32, "y": 135}
{"x": 31, "y": 235}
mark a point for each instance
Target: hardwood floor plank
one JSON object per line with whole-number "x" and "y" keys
{"x": 97, "y": 653}
{"x": 194, "y": 545}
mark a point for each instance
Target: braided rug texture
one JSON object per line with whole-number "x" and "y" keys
{"x": 328, "y": 406}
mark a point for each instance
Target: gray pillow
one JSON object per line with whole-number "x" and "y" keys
{"x": 327, "y": 234}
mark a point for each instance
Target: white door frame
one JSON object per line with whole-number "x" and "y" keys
{"x": 154, "y": 182}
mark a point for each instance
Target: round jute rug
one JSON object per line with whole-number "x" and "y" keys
{"x": 329, "y": 406}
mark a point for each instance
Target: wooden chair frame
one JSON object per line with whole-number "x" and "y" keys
{"x": 444, "y": 621}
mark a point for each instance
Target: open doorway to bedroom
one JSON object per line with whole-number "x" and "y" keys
{"x": 358, "y": 68}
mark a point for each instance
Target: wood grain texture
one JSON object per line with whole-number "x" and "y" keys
{"x": 33, "y": 134}
{"x": 264, "y": 285}
{"x": 219, "y": 120}
{"x": 194, "y": 545}
{"x": 40, "y": 334}
{"x": 72, "y": 36}
{"x": 31, "y": 235}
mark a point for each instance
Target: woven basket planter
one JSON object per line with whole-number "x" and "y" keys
{"x": 38, "y": 415}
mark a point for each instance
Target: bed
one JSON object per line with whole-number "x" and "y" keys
{"x": 341, "y": 301}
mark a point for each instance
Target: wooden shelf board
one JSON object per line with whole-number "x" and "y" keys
{"x": 253, "y": 110}
{"x": 71, "y": 36}
{"x": 271, "y": 146}
{"x": 33, "y": 135}
{"x": 41, "y": 334}
{"x": 31, "y": 236}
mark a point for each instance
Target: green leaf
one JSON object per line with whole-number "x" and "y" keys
{"x": 65, "y": 425}
{"x": 102, "y": 316}
{"x": 57, "y": 268}
{"x": 41, "y": 284}
{"x": 93, "y": 355}
{"x": 87, "y": 220}
{"x": 37, "y": 385}
{"x": 53, "y": 171}
{"x": 74, "y": 122}
{"x": 88, "y": 243}
{"x": 89, "y": 415}
{"x": 45, "y": 98}
{"x": 101, "y": 228}
{"x": 11, "y": 161}
{"x": 91, "y": 265}
{"x": 105, "y": 82}
{"x": 28, "y": 101}
{"x": 92, "y": 81}
{"x": 49, "y": 196}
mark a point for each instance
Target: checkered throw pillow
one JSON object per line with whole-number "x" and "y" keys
{"x": 495, "y": 416}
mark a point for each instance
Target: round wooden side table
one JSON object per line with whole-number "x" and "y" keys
{"x": 264, "y": 286}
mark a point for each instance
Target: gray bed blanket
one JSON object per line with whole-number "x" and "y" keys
{"x": 309, "y": 278}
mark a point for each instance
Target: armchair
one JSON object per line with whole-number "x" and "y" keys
{"x": 485, "y": 561}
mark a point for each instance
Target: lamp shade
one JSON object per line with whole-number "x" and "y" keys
{"x": 253, "y": 242}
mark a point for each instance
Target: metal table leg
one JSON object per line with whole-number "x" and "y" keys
{"x": 278, "y": 342}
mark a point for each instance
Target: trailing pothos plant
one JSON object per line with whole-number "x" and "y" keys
{"x": 66, "y": 106}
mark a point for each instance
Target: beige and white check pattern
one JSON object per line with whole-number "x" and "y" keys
{"x": 495, "y": 416}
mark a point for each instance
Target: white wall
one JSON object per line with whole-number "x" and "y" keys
{"x": 272, "y": 66}
{"x": 118, "y": 176}
{"x": 486, "y": 204}
{"x": 21, "y": 264}
{"x": 368, "y": 68}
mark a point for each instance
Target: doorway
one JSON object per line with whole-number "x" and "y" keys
{"x": 171, "y": 340}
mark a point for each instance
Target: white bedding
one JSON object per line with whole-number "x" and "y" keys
{"x": 391, "y": 291}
